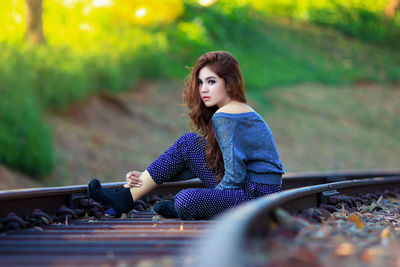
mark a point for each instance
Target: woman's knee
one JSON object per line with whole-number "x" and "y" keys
{"x": 189, "y": 138}
{"x": 190, "y": 143}
{"x": 185, "y": 204}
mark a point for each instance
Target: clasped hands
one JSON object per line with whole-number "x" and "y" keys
{"x": 133, "y": 179}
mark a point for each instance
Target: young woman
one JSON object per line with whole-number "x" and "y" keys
{"x": 233, "y": 152}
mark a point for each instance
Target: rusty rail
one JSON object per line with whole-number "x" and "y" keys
{"x": 104, "y": 241}
{"x": 24, "y": 201}
{"x": 144, "y": 239}
{"x": 226, "y": 243}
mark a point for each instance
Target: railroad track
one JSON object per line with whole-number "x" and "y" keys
{"x": 236, "y": 236}
{"x": 145, "y": 238}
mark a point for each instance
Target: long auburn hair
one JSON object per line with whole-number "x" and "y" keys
{"x": 226, "y": 67}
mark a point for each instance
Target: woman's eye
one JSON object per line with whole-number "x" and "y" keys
{"x": 211, "y": 81}
{"x": 200, "y": 82}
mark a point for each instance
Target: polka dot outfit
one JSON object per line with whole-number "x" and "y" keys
{"x": 201, "y": 203}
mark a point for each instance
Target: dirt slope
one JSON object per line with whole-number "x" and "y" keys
{"x": 109, "y": 135}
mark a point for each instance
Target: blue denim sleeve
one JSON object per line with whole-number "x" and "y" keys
{"x": 185, "y": 174}
{"x": 235, "y": 168}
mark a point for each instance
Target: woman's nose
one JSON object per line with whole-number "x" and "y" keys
{"x": 203, "y": 88}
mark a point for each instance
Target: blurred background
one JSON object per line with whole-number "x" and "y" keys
{"x": 92, "y": 88}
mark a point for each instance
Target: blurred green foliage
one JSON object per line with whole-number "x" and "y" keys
{"x": 92, "y": 48}
{"x": 362, "y": 19}
{"x": 25, "y": 140}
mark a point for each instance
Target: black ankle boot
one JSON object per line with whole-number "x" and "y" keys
{"x": 120, "y": 199}
{"x": 166, "y": 208}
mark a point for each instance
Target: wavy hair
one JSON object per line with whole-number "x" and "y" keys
{"x": 226, "y": 67}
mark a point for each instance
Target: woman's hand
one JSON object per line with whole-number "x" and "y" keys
{"x": 133, "y": 179}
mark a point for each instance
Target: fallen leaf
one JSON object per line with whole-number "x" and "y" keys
{"x": 345, "y": 249}
{"x": 370, "y": 254}
{"x": 45, "y": 220}
{"x": 355, "y": 219}
{"x": 38, "y": 228}
{"x": 385, "y": 233}
{"x": 272, "y": 225}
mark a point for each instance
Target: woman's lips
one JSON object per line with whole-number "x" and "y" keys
{"x": 206, "y": 98}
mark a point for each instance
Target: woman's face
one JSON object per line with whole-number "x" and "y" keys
{"x": 212, "y": 88}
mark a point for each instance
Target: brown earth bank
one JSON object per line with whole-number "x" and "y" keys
{"x": 111, "y": 134}
{"x": 108, "y": 135}
{"x": 10, "y": 179}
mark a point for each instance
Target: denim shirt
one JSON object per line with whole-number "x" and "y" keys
{"x": 248, "y": 149}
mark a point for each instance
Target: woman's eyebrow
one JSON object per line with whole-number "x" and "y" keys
{"x": 208, "y": 78}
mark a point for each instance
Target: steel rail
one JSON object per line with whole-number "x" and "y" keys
{"x": 24, "y": 201}
{"x": 126, "y": 242}
{"x": 49, "y": 199}
{"x": 135, "y": 240}
{"x": 226, "y": 243}
{"x": 110, "y": 241}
